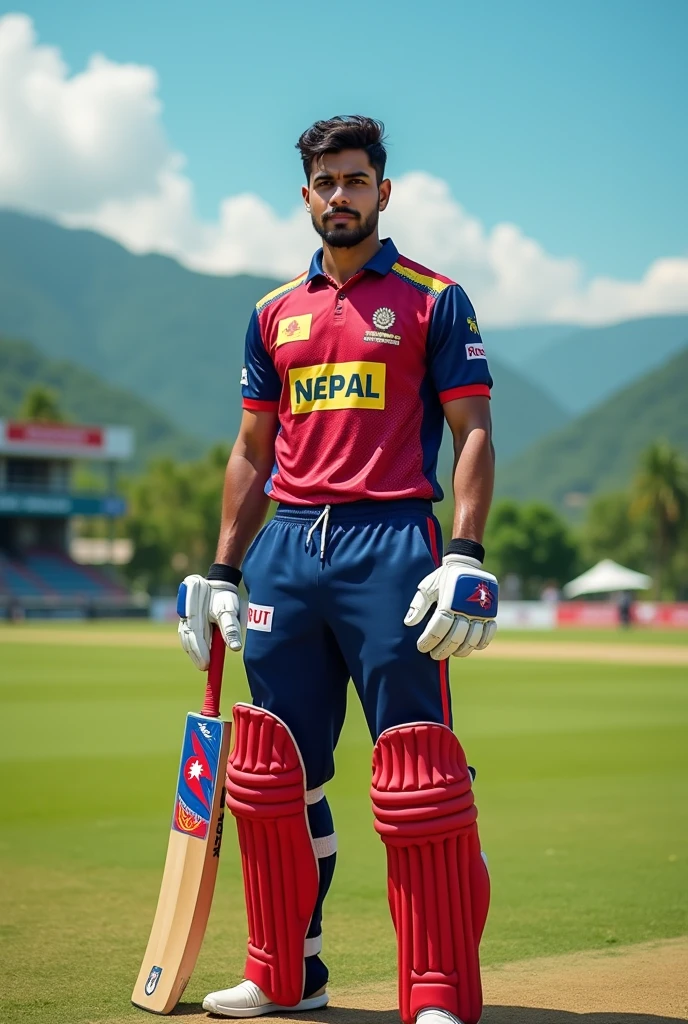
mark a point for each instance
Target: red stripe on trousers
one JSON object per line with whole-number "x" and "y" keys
{"x": 444, "y": 672}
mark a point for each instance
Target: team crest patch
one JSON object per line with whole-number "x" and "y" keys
{"x": 294, "y": 328}
{"x": 383, "y": 319}
{"x": 152, "y": 981}
{"x": 472, "y": 325}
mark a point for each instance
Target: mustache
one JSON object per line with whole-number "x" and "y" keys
{"x": 337, "y": 213}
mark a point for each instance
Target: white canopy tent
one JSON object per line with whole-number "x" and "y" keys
{"x": 605, "y": 578}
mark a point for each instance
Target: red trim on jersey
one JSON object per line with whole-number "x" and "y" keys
{"x": 467, "y": 391}
{"x": 257, "y": 405}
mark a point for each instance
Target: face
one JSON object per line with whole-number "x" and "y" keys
{"x": 344, "y": 198}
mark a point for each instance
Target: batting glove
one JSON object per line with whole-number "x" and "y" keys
{"x": 466, "y": 598}
{"x": 200, "y": 603}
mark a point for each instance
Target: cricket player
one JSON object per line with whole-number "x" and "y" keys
{"x": 351, "y": 370}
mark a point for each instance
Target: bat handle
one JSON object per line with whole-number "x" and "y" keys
{"x": 211, "y": 704}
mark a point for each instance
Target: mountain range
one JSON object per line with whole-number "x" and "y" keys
{"x": 598, "y": 450}
{"x": 141, "y": 339}
{"x": 169, "y": 335}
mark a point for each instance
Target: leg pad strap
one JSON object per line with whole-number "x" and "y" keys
{"x": 266, "y": 793}
{"x": 438, "y": 883}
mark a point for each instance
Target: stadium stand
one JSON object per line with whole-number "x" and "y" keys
{"x": 39, "y": 504}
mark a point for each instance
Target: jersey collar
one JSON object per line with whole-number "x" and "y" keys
{"x": 381, "y": 263}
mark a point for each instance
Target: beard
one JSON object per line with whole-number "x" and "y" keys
{"x": 346, "y": 236}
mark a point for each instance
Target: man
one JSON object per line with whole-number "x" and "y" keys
{"x": 351, "y": 369}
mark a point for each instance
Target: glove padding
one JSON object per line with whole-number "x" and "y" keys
{"x": 463, "y": 620}
{"x": 200, "y": 603}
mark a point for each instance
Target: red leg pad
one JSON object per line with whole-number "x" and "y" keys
{"x": 438, "y": 887}
{"x": 266, "y": 793}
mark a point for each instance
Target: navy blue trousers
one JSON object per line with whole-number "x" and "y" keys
{"x": 327, "y": 604}
{"x": 321, "y": 621}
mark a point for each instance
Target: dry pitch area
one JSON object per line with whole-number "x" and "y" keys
{"x": 644, "y": 984}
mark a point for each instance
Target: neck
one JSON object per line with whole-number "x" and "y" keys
{"x": 341, "y": 264}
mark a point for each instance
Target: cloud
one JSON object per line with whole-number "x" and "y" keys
{"x": 90, "y": 150}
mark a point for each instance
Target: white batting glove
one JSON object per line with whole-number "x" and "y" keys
{"x": 200, "y": 603}
{"x": 466, "y": 598}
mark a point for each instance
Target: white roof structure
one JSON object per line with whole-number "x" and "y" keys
{"x": 605, "y": 578}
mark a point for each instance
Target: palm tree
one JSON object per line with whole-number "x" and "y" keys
{"x": 660, "y": 493}
{"x": 41, "y": 405}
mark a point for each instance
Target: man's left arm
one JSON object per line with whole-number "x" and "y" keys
{"x": 465, "y": 594}
{"x": 470, "y": 422}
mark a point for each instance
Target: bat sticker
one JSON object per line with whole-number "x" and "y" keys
{"x": 153, "y": 979}
{"x": 197, "y": 776}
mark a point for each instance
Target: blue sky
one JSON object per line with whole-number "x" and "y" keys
{"x": 565, "y": 119}
{"x": 568, "y": 119}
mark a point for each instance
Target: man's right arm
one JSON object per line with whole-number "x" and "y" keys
{"x": 203, "y": 601}
{"x": 244, "y": 502}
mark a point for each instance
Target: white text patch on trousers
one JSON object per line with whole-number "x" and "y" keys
{"x": 260, "y": 617}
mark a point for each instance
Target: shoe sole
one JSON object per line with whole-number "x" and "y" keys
{"x": 314, "y": 1003}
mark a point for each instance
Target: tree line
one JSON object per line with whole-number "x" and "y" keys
{"x": 174, "y": 511}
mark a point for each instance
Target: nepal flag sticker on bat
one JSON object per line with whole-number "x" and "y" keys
{"x": 198, "y": 773}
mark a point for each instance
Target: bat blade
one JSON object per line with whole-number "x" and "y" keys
{"x": 193, "y": 855}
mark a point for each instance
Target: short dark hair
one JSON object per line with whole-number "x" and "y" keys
{"x": 345, "y": 131}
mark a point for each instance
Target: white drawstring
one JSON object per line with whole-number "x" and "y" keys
{"x": 323, "y": 518}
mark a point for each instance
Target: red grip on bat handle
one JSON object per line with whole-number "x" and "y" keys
{"x": 211, "y": 704}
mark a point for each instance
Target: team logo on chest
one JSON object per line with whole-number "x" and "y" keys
{"x": 383, "y": 320}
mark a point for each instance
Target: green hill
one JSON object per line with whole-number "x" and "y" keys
{"x": 598, "y": 450}
{"x": 87, "y": 399}
{"x": 171, "y": 336}
{"x": 588, "y": 366}
{"x": 516, "y": 346}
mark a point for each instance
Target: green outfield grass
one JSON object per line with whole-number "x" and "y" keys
{"x": 582, "y": 783}
{"x": 635, "y": 635}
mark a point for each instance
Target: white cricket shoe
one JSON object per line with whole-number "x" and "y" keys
{"x": 247, "y": 1000}
{"x": 433, "y": 1016}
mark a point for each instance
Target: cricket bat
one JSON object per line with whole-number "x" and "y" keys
{"x": 193, "y": 852}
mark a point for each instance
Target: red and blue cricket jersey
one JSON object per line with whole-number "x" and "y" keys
{"x": 358, "y": 374}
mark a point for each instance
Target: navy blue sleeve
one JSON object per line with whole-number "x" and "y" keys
{"x": 455, "y": 350}
{"x": 260, "y": 384}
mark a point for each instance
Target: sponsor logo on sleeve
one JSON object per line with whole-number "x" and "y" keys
{"x": 475, "y": 351}
{"x": 356, "y": 385}
{"x": 244, "y": 377}
{"x": 294, "y": 328}
{"x": 260, "y": 617}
